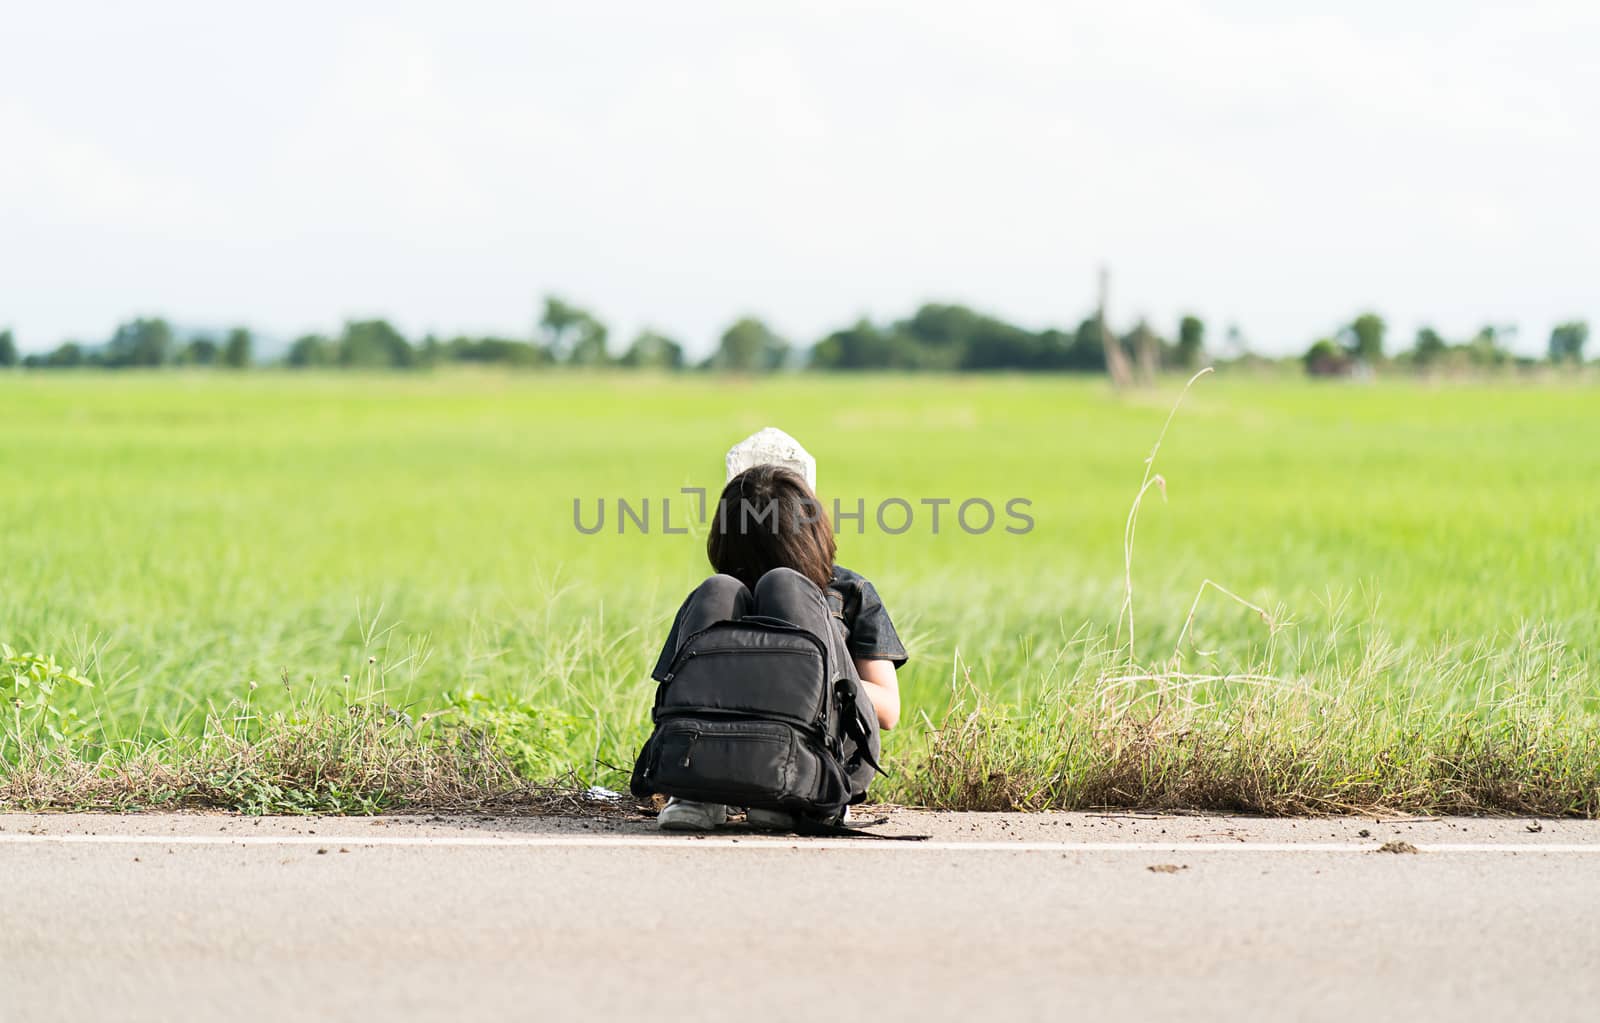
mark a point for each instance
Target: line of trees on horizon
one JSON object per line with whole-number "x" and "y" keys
{"x": 1361, "y": 346}
{"x": 937, "y": 337}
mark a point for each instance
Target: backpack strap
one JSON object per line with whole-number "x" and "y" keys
{"x": 857, "y": 727}
{"x": 813, "y": 828}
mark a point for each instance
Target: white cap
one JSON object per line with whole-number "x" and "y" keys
{"x": 771, "y": 446}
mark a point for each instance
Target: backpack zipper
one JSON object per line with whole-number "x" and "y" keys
{"x": 690, "y": 654}
{"x": 696, "y": 734}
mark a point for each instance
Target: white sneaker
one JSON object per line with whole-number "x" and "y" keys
{"x": 777, "y": 820}
{"x": 769, "y": 820}
{"x": 683, "y": 815}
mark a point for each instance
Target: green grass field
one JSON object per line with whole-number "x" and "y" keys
{"x": 1429, "y": 557}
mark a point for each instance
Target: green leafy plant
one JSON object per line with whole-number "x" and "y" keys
{"x": 28, "y": 681}
{"x": 539, "y": 741}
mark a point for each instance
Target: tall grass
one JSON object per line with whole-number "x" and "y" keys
{"x": 1503, "y": 727}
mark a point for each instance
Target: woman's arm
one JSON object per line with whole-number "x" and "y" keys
{"x": 877, "y": 678}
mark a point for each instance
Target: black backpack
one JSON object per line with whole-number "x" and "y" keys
{"x": 749, "y": 714}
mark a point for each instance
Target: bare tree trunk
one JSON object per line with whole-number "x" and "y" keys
{"x": 1116, "y": 360}
{"x": 1149, "y": 356}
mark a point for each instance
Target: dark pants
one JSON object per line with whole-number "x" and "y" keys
{"x": 788, "y": 596}
{"x": 783, "y": 594}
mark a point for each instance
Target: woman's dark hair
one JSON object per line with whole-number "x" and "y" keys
{"x": 766, "y": 518}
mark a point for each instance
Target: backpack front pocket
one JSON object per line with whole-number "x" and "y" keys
{"x": 722, "y": 760}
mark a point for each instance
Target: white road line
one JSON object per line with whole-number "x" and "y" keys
{"x": 770, "y": 842}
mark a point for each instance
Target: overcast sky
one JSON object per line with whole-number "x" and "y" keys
{"x": 679, "y": 164}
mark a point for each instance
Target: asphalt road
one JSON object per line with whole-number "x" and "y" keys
{"x": 996, "y": 917}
